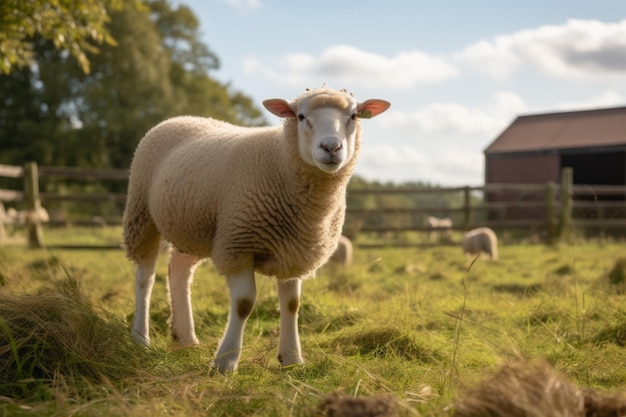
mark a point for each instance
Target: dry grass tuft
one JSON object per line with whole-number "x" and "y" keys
{"x": 56, "y": 335}
{"x": 383, "y": 342}
{"x": 535, "y": 390}
{"x": 614, "y": 334}
{"x": 617, "y": 275}
{"x": 341, "y": 405}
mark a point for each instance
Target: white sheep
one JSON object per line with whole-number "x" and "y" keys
{"x": 22, "y": 217}
{"x": 264, "y": 199}
{"x": 481, "y": 240}
{"x": 342, "y": 256}
{"x": 443, "y": 226}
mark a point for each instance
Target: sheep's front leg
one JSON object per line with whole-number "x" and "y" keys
{"x": 289, "y": 352}
{"x": 144, "y": 282}
{"x": 242, "y": 297}
{"x": 181, "y": 270}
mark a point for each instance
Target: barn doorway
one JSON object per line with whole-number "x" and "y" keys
{"x": 597, "y": 168}
{"x": 601, "y": 168}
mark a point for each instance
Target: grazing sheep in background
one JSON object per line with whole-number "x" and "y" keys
{"x": 264, "y": 199}
{"x": 342, "y": 255}
{"x": 535, "y": 390}
{"x": 22, "y": 217}
{"x": 481, "y": 240}
{"x": 443, "y": 227}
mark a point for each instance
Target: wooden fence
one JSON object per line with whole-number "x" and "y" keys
{"x": 550, "y": 209}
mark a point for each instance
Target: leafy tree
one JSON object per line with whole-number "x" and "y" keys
{"x": 127, "y": 91}
{"x": 158, "y": 69}
{"x": 179, "y": 31}
{"x": 191, "y": 60}
{"x": 55, "y": 113}
{"x": 32, "y": 107}
{"x": 75, "y": 26}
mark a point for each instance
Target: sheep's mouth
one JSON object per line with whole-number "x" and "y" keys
{"x": 330, "y": 165}
{"x": 332, "y": 161}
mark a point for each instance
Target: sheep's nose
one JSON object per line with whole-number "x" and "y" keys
{"x": 331, "y": 145}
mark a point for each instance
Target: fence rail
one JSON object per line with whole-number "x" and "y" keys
{"x": 553, "y": 208}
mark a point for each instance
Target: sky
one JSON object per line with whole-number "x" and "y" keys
{"x": 457, "y": 73}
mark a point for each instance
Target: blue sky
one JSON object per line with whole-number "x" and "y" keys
{"x": 456, "y": 73}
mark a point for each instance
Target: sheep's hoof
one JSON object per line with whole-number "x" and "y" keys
{"x": 186, "y": 341}
{"x": 226, "y": 363}
{"x": 289, "y": 360}
{"x": 140, "y": 339}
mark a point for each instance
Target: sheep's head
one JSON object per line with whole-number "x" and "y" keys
{"x": 328, "y": 124}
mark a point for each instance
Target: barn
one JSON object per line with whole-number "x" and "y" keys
{"x": 534, "y": 149}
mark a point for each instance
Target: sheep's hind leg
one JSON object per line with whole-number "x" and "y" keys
{"x": 180, "y": 276}
{"x": 242, "y": 297}
{"x": 289, "y": 352}
{"x": 144, "y": 282}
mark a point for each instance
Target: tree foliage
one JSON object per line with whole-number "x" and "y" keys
{"x": 55, "y": 113}
{"x": 75, "y": 26}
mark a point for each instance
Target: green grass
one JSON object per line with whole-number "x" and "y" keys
{"x": 417, "y": 326}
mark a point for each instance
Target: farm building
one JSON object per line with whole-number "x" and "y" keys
{"x": 535, "y": 148}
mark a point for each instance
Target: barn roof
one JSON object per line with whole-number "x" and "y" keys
{"x": 568, "y": 130}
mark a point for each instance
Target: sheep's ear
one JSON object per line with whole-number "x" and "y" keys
{"x": 371, "y": 108}
{"x": 279, "y": 107}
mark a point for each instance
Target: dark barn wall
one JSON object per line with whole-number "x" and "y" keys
{"x": 590, "y": 167}
{"x": 522, "y": 168}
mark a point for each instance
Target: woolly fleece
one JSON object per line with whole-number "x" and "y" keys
{"x": 218, "y": 190}
{"x": 481, "y": 240}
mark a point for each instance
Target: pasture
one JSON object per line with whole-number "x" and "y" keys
{"x": 406, "y": 330}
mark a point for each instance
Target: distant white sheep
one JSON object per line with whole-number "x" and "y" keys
{"x": 12, "y": 216}
{"x": 342, "y": 256}
{"x": 264, "y": 199}
{"x": 481, "y": 240}
{"x": 15, "y": 219}
{"x": 441, "y": 226}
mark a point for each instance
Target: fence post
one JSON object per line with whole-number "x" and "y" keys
{"x": 550, "y": 212}
{"x": 565, "y": 217}
{"x": 467, "y": 208}
{"x": 33, "y": 204}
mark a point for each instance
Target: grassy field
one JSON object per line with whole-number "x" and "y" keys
{"x": 409, "y": 329}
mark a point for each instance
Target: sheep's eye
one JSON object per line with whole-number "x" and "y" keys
{"x": 353, "y": 117}
{"x": 301, "y": 117}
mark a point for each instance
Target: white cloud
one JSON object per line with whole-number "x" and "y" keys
{"x": 386, "y": 155}
{"x": 400, "y": 164}
{"x": 485, "y": 120}
{"x": 347, "y": 64}
{"x": 578, "y": 49}
{"x": 605, "y": 99}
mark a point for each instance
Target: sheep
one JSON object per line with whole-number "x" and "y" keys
{"x": 342, "y": 256}
{"x": 265, "y": 199}
{"x": 441, "y": 225}
{"x": 481, "y": 240}
{"x": 22, "y": 217}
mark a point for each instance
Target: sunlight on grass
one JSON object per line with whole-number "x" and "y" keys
{"x": 408, "y": 329}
